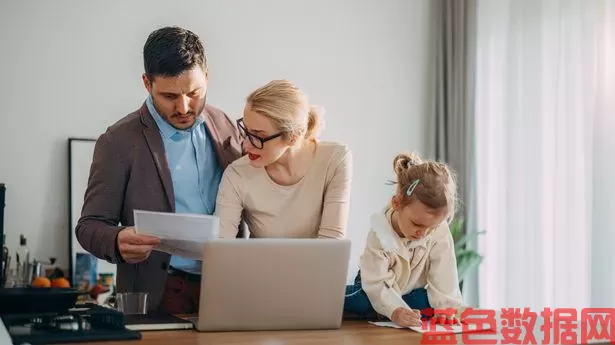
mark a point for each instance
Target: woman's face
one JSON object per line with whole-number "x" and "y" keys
{"x": 263, "y": 142}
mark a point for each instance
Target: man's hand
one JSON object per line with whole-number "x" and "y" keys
{"x": 405, "y": 317}
{"x": 134, "y": 247}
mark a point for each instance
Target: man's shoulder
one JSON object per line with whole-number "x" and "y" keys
{"x": 129, "y": 123}
{"x": 214, "y": 110}
{"x": 124, "y": 132}
{"x": 225, "y": 132}
{"x": 219, "y": 117}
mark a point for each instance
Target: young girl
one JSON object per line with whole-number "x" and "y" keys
{"x": 409, "y": 259}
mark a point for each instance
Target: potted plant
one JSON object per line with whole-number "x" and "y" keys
{"x": 467, "y": 259}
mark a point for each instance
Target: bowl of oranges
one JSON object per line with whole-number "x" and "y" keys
{"x": 46, "y": 282}
{"x": 51, "y": 293}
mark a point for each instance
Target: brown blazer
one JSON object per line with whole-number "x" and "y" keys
{"x": 129, "y": 171}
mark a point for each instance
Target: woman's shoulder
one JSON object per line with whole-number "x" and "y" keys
{"x": 241, "y": 166}
{"x": 333, "y": 153}
{"x": 333, "y": 161}
{"x": 332, "y": 148}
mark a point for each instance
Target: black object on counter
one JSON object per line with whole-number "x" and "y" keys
{"x": 81, "y": 324}
{"x": 37, "y": 300}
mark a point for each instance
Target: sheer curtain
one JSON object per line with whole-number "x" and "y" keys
{"x": 545, "y": 129}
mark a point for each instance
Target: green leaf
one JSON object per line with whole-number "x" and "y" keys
{"x": 467, "y": 259}
{"x": 465, "y": 252}
{"x": 466, "y": 262}
{"x": 465, "y": 238}
{"x": 456, "y": 229}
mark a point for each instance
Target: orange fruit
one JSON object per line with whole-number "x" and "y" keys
{"x": 60, "y": 283}
{"x": 41, "y": 282}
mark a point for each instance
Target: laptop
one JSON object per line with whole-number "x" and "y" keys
{"x": 273, "y": 284}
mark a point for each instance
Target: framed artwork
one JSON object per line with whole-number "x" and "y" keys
{"x": 84, "y": 269}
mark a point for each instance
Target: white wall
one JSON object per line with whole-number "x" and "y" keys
{"x": 71, "y": 68}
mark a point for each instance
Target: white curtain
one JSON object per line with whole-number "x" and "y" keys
{"x": 545, "y": 142}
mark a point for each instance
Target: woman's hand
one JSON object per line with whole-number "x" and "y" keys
{"x": 405, "y": 317}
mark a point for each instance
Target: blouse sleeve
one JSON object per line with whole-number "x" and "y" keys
{"x": 229, "y": 203}
{"x": 337, "y": 197}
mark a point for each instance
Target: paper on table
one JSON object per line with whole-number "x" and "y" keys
{"x": 427, "y": 328}
{"x": 5, "y": 337}
{"x": 180, "y": 233}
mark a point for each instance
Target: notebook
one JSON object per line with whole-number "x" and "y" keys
{"x": 156, "y": 322}
{"x": 429, "y": 328}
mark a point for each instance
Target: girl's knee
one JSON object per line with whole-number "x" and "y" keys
{"x": 417, "y": 299}
{"x": 350, "y": 289}
{"x": 357, "y": 302}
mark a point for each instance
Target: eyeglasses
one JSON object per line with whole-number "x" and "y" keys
{"x": 255, "y": 140}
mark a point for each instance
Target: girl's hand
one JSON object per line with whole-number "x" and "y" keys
{"x": 405, "y": 317}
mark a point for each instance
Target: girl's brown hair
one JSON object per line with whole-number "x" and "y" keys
{"x": 430, "y": 182}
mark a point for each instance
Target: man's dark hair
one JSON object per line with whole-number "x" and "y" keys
{"x": 169, "y": 51}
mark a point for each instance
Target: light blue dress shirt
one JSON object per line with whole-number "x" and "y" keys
{"x": 195, "y": 172}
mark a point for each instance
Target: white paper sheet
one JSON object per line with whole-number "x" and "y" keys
{"x": 181, "y": 234}
{"x": 5, "y": 337}
{"x": 426, "y": 328}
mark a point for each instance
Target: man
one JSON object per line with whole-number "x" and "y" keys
{"x": 167, "y": 156}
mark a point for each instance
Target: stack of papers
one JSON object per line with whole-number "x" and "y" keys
{"x": 180, "y": 233}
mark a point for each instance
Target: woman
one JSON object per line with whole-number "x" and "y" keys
{"x": 289, "y": 184}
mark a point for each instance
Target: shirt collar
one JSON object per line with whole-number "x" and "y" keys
{"x": 389, "y": 239}
{"x": 166, "y": 130}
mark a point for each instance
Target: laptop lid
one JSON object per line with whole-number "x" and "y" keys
{"x": 273, "y": 284}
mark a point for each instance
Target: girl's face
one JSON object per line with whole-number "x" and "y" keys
{"x": 415, "y": 220}
{"x": 263, "y": 142}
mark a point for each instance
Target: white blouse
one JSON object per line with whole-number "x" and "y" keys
{"x": 406, "y": 265}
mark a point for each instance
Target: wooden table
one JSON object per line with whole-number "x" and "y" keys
{"x": 351, "y": 333}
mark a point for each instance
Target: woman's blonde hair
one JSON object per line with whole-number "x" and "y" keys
{"x": 432, "y": 183}
{"x": 288, "y": 108}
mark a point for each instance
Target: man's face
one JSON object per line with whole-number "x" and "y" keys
{"x": 179, "y": 100}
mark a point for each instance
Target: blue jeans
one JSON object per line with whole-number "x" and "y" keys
{"x": 357, "y": 304}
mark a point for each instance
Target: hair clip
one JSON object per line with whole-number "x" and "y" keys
{"x": 412, "y": 186}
